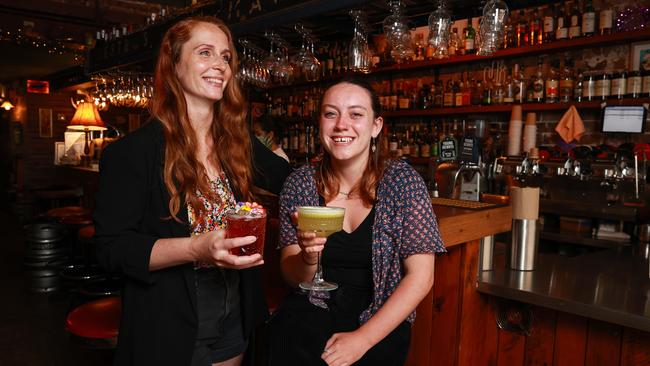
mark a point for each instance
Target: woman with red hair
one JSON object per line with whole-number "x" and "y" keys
{"x": 160, "y": 209}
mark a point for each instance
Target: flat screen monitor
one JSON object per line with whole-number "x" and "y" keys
{"x": 624, "y": 118}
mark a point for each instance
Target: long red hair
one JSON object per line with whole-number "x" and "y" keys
{"x": 328, "y": 184}
{"x": 183, "y": 173}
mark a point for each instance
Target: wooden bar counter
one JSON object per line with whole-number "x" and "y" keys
{"x": 455, "y": 324}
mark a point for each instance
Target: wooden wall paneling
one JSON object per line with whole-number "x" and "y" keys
{"x": 511, "y": 347}
{"x": 570, "y": 340}
{"x": 635, "y": 348}
{"x": 603, "y": 344}
{"x": 478, "y": 329}
{"x": 541, "y": 341}
{"x": 445, "y": 316}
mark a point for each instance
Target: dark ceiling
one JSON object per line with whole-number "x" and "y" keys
{"x": 73, "y": 22}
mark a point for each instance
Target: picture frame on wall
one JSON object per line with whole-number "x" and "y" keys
{"x": 59, "y": 152}
{"x": 640, "y": 56}
{"x": 44, "y": 122}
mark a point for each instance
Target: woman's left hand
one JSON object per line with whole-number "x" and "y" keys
{"x": 344, "y": 349}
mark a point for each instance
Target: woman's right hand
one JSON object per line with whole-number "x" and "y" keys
{"x": 213, "y": 248}
{"x": 310, "y": 245}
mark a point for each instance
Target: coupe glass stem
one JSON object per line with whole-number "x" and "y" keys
{"x": 318, "y": 276}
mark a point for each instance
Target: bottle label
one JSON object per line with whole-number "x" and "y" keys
{"x": 574, "y": 21}
{"x": 404, "y": 103}
{"x": 603, "y": 87}
{"x": 469, "y": 44}
{"x": 549, "y": 24}
{"x": 551, "y": 89}
{"x": 606, "y": 19}
{"x": 458, "y": 100}
{"x": 392, "y": 146}
{"x": 634, "y": 86}
{"x": 619, "y": 86}
{"x": 448, "y": 99}
{"x": 566, "y": 88}
{"x": 574, "y": 32}
{"x": 560, "y": 23}
{"x": 588, "y": 23}
{"x": 561, "y": 33}
{"x": 589, "y": 89}
{"x": 538, "y": 90}
{"x": 645, "y": 89}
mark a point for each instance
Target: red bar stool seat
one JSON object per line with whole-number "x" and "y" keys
{"x": 62, "y": 212}
{"x": 96, "y": 323}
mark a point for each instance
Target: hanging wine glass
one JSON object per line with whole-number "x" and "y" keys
{"x": 495, "y": 14}
{"x": 398, "y": 34}
{"x": 359, "y": 53}
{"x": 439, "y": 23}
{"x": 306, "y": 60}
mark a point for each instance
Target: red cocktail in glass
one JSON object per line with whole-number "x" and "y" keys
{"x": 247, "y": 223}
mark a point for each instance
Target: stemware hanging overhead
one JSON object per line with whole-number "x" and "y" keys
{"x": 306, "y": 60}
{"x": 398, "y": 34}
{"x": 359, "y": 53}
{"x": 439, "y": 23}
{"x": 495, "y": 14}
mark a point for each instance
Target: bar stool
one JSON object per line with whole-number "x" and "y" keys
{"x": 83, "y": 268}
{"x": 96, "y": 323}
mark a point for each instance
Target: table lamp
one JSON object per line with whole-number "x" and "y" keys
{"x": 86, "y": 119}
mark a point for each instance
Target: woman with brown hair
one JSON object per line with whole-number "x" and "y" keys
{"x": 383, "y": 258}
{"x": 160, "y": 209}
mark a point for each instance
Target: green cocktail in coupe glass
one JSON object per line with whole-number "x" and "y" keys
{"x": 324, "y": 221}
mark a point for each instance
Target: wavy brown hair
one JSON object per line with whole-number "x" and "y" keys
{"x": 183, "y": 173}
{"x": 328, "y": 184}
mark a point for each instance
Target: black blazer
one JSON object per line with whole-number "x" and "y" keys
{"x": 159, "y": 319}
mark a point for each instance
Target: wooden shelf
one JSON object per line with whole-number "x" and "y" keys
{"x": 571, "y": 44}
{"x": 503, "y": 108}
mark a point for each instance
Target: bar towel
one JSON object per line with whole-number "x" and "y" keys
{"x": 570, "y": 127}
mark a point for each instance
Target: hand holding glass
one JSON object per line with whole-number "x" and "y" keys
{"x": 247, "y": 223}
{"x": 324, "y": 221}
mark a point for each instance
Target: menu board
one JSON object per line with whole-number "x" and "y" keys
{"x": 469, "y": 150}
{"x": 448, "y": 149}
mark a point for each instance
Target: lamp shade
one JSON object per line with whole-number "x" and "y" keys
{"x": 86, "y": 118}
{"x": 6, "y": 105}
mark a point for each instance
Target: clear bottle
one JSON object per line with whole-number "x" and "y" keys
{"x": 589, "y": 87}
{"x": 603, "y": 86}
{"x": 578, "y": 86}
{"x": 552, "y": 84}
{"x": 566, "y": 82}
{"x": 454, "y": 42}
{"x": 588, "y": 20}
{"x": 519, "y": 84}
{"x": 538, "y": 84}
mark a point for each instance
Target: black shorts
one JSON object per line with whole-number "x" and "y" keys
{"x": 220, "y": 333}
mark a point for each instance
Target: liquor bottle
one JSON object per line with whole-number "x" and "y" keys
{"x": 425, "y": 146}
{"x": 499, "y": 93}
{"x": 430, "y": 51}
{"x": 605, "y": 18}
{"x": 403, "y": 96}
{"x": 448, "y": 96}
{"x": 414, "y": 95}
{"x": 578, "y": 86}
{"x": 519, "y": 83}
{"x": 470, "y": 36}
{"x": 477, "y": 93}
{"x": 425, "y": 99}
{"x": 488, "y": 90}
{"x": 466, "y": 90}
{"x": 510, "y": 32}
{"x": 634, "y": 84}
{"x": 393, "y": 142}
{"x": 458, "y": 95}
{"x": 549, "y": 24}
{"x": 562, "y": 30}
{"x": 588, "y": 20}
{"x": 415, "y": 141}
{"x": 552, "y": 84}
{"x": 419, "y": 48}
{"x": 535, "y": 29}
{"x": 619, "y": 85}
{"x": 538, "y": 83}
{"x": 438, "y": 94}
{"x": 454, "y": 41}
{"x": 603, "y": 86}
{"x": 509, "y": 90}
{"x": 405, "y": 143}
{"x": 522, "y": 29}
{"x": 575, "y": 29}
{"x": 566, "y": 82}
{"x": 435, "y": 143}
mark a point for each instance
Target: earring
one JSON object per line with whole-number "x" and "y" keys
{"x": 373, "y": 145}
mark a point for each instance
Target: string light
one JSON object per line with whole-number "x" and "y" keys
{"x": 53, "y": 47}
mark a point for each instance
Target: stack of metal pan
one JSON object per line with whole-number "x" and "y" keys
{"x": 45, "y": 250}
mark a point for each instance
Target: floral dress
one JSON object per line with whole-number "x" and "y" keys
{"x": 216, "y": 211}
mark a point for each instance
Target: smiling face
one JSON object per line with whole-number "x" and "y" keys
{"x": 204, "y": 66}
{"x": 347, "y": 123}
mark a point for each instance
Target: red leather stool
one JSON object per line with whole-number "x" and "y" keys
{"x": 96, "y": 323}
{"x": 84, "y": 269}
{"x": 63, "y": 212}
